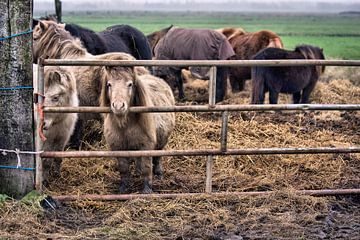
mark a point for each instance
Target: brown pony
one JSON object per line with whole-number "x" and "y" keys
{"x": 245, "y": 45}
{"x": 51, "y": 40}
{"x": 174, "y": 43}
{"x": 297, "y": 80}
{"x": 122, "y": 88}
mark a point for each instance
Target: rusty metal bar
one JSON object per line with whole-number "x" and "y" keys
{"x": 122, "y": 197}
{"x": 209, "y": 173}
{"x": 216, "y": 108}
{"x": 198, "y": 152}
{"x": 200, "y": 63}
{"x": 38, "y": 142}
{"x": 212, "y": 87}
{"x": 224, "y": 130}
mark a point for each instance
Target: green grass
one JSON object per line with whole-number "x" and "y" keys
{"x": 338, "y": 35}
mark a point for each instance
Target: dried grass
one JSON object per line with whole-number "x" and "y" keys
{"x": 281, "y": 215}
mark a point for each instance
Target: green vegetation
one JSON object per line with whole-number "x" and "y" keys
{"x": 338, "y": 35}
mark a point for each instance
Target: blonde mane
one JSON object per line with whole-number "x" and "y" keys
{"x": 51, "y": 40}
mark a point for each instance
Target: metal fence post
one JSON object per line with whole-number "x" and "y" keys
{"x": 209, "y": 173}
{"x": 212, "y": 86}
{"x": 38, "y": 113}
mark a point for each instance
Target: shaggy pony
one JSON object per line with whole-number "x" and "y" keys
{"x": 122, "y": 88}
{"x": 60, "y": 91}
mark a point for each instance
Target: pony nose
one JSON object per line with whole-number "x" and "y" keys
{"x": 118, "y": 105}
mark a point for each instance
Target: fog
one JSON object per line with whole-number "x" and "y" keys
{"x": 202, "y": 5}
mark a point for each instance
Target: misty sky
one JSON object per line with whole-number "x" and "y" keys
{"x": 162, "y": 1}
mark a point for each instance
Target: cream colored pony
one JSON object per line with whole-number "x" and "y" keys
{"x": 123, "y": 87}
{"x": 60, "y": 91}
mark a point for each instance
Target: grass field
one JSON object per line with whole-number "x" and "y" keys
{"x": 338, "y": 35}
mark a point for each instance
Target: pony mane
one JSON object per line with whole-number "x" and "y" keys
{"x": 312, "y": 52}
{"x": 231, "y": 32}
{"x": 54, "y": 42}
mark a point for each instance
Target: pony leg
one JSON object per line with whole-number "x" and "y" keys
{"x": 273, "y": 97}
{"x": 157, "y": 167}
{"x": 180, "y": 85}
{"x": 296, "y": 97}
{"x": 75, "y": 139}
{"x": 146, "y": 167}
{"x": 235, "y": 84}
{"x": 221, "y": 76}
{"x": 307, "y": 91}
{"x": 124, "y": 173}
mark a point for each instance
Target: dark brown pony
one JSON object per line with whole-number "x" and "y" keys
{"x": 299, "y": 80}
{"x": 175, "y": 43}
{"x": 245, "y": 45}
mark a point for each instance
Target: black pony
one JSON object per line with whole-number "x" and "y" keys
{"x": 299, "y": 80}
{"x": 118, "y": 38}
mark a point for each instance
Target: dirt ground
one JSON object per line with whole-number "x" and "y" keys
{"x": 281, "y": 215}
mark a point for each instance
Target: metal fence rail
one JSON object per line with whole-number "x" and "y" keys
{"x": 211, "y": 107}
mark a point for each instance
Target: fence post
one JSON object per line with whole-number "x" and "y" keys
{"x": 209, "y": 173}
{"x": 212, "y": 86}
{"x": 58, "y": 10}
{"x": 16, "y": 105}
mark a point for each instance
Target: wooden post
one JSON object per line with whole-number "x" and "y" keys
{"x": 16, "y": 105}
{"x": 58, "y": 10}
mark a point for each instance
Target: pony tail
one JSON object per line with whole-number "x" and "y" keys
{"x": 142, "y": 98}
{"x": 257, "y": 81}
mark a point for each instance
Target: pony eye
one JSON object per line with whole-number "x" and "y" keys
{"x": 130, "y": 85}
{"x": 55, "y": 99}
{"x": 108, "y": 85}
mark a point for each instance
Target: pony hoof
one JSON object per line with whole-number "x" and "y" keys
{"x": 159, "y": 175}
{"x": 147, "y": 190}
{"x": 123, "y": 188}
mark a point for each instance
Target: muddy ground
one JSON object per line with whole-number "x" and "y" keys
{"x": 281, "y": 215}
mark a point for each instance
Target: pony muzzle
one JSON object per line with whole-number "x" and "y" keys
{"x": 119, "y": 107}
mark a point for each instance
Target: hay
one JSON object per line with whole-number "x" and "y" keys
{"x": 281, "y": 215}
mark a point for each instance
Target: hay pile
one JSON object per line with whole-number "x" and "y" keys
{"x": 281, "y": 215}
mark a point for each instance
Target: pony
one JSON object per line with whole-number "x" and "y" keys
{"x": 117, "y": 38}
{"x": 245, "y": 45}
{"x": 299, "y": 81}
{"x": 122, "y": 88}
{"x": 51, "y": 40}
{"x": 173, "y": 43}
{"x": 60, "y": 91}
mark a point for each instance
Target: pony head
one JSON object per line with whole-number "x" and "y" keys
{"x": 120, "y": 88}
{"x": 60, "y": 91}
{"x": 51, "y": 40}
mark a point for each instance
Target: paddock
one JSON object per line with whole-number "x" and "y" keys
{"x": 207, "y": 153}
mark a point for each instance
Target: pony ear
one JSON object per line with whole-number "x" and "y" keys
{"x": 42, "y": 26}
{"x": 322, "y": 50}
{"x": 34, "y": 23}
{"x": 54, "y": 78}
